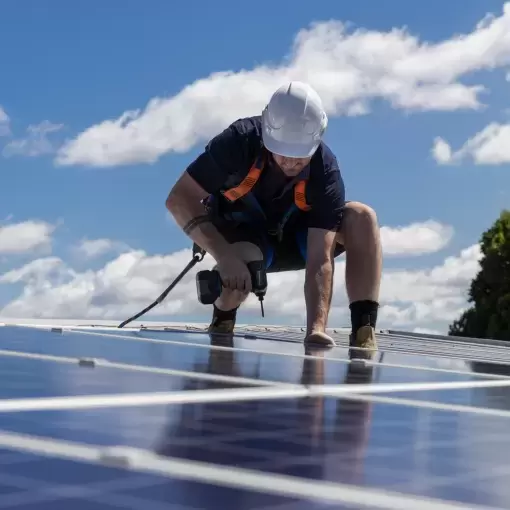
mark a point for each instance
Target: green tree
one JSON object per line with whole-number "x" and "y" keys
{"x": 489, "y": 293}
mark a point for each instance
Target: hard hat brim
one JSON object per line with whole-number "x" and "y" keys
{"x": 289, "y": 150}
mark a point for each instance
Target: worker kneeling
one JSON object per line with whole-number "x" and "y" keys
{"x": 269, "y": 189}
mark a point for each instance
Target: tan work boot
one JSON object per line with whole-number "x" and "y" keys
{"x": 366, "y": 340}
{"x": 219, "y": 326}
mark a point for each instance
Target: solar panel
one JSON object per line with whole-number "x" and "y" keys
{"x": 159, "y": 416}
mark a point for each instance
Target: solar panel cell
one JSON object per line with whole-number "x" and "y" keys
{"x": 257, "y": 423}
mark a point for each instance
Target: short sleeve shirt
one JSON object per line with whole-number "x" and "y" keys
{"x": 231, "y": 154}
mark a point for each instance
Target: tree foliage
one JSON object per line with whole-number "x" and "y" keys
{"x": 489, "y": 293}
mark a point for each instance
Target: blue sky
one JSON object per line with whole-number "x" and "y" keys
{"x": 77, "y": 65}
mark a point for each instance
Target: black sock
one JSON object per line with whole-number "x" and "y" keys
{"x": 363, "y": 313}
{"x": 224, "y": 315}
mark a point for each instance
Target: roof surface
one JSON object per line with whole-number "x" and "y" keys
{"x": 151, "y": 417}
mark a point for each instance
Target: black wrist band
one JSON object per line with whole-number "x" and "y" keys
{"x": 194, "y": 222}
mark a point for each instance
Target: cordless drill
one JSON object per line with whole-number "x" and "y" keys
{"x": 209, "y": 284}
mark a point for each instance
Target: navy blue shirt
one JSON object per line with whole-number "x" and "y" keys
{"x": 229, "y": 156}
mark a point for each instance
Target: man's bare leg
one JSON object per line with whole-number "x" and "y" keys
{"x": 361, "y": 239}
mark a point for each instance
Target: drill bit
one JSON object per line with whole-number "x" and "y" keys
{"x": 261, "y": 305}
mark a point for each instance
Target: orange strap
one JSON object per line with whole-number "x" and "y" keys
{"x": 300, "y": 197}
{"x": 245, "y": 186}
{"x": 251, "y": 179}
{"x": 248, "y": 182}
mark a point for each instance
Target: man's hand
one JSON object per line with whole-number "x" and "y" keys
{"x": 234, "y": 273}
{"x": 319, "y": 338}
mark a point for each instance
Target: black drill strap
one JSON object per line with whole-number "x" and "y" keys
{"x": 198, "y": 255}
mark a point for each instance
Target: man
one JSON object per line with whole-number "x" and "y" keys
{"x": 268, "y": 188}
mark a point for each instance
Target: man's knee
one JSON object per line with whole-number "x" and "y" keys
{"x": 248, "y": 252}
{"x": 358, "y": 217}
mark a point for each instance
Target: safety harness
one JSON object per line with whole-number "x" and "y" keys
{"x": 243, "y": 192}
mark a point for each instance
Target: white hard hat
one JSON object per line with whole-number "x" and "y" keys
{"x": 294, "y": 121}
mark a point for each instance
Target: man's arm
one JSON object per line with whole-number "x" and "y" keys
{"x": 319, "y": 274}
{"x": 184, "y": 204}
{"x": 324, "y": 221}
{"x": 204, "y": 176}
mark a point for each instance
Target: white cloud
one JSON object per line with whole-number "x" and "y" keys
{"x": 427, "y": 298}
{"x": 122, "y": 286}
{"x": 424, "y": 298}
{"x": 91, "y": 248}
{"x": 25, "y": 237}
{"x": 416, "y": 238}
{"x": 5, "y": 129}
{"x": 38, "y": 273}
{"x": 426, "y": 331}
{"x": 348, "y": 69}
{"x": 441, "y": 151}
{"x": 36, "y": 143}
{"x": 491, "y": 146}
